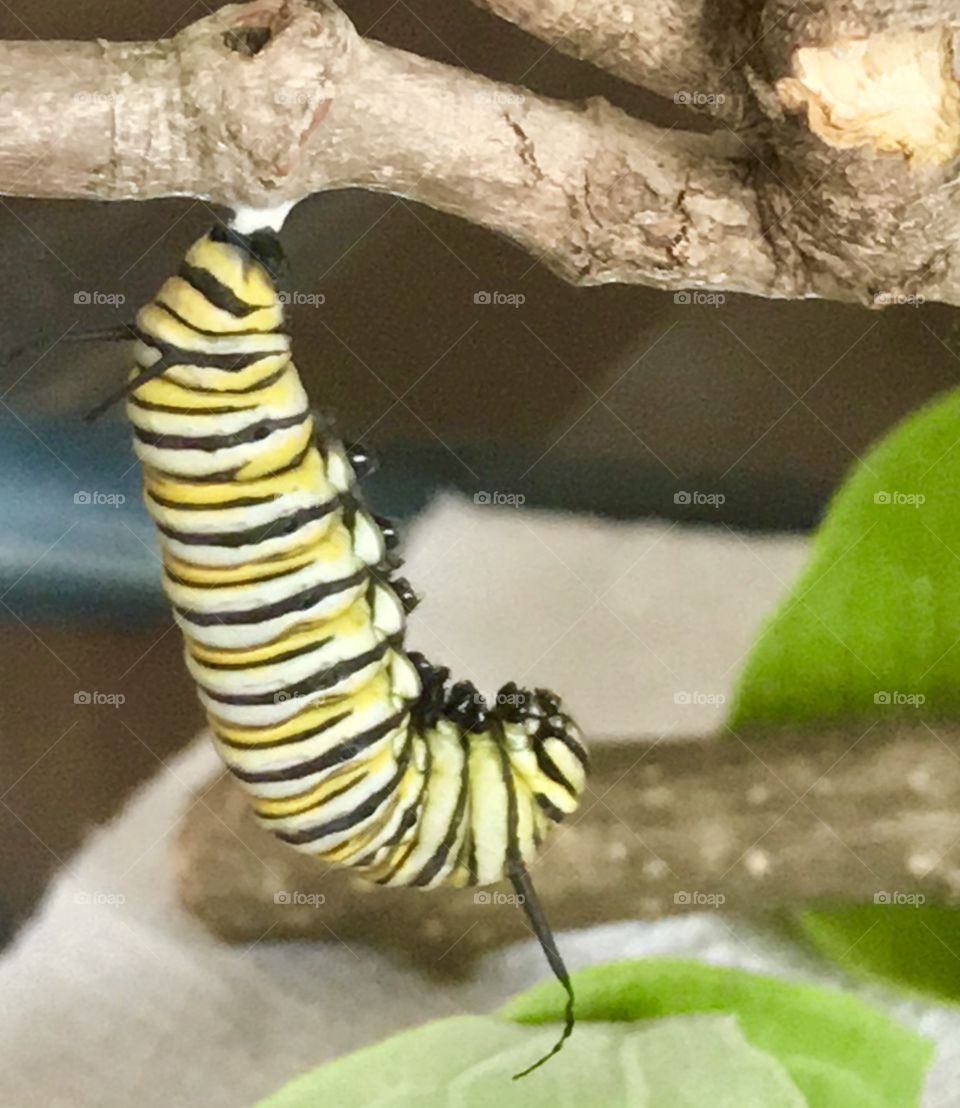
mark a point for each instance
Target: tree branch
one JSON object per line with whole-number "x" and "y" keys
{"x": 600, "y": 196}
{"x": 845, "y": 183}
{"x": 744, "y": 824}
{"x": 687, "y": 50}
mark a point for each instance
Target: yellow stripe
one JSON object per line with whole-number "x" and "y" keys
{"x": 247, "y": 280}
{"x": 268, "y": 461}
{"x": 312, "y": 798}
{"x": 229, "y": 379}
{"x": 310, "y": 474}
{"x": 410, "y": 782}
{"x": 377, "y": 688}
{"x": 162, "y": 390}
{"x": 352, "y": 621}
{"x": 189, "y": 574}
{"x": 195, "y": 308}
{"x": 159, "y": 324}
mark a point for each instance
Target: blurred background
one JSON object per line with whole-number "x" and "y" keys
{"x": 608, "y": 402}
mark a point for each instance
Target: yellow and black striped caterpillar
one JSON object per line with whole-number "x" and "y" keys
{"x": 283, "y": 585}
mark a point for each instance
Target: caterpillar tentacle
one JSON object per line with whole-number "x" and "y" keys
{"x": 284, "y": 587}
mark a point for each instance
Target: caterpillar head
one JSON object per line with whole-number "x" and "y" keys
{"x": 261, "y": 246}
{"x": 466, "y": 707}
{"x": 460, "y": 703}
{"x": 539, "y": 712}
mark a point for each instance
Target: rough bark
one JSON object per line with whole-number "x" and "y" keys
{"x": 877, "y": 222}
{"x": 600, "y": 196}
{"x": 263, "y": 103}
{"x": 750, "y": 823}
{"x": 689, "y": 51}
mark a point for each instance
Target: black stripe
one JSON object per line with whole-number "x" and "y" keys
{"x": 300, "y": 736}
{"x": 159, "y": 369}
{"x": 410, "y": 818}
{"x": 229, "y": 476}
{"x": 185, "y": 409}
{"x": 210, "y": 586}
{"x": 253, "y": 432}
{"x": 215, "y": 334}
{"x": 357, "y": 815}
{"x": 407, "y": 820}
{"x": 549, "y": 768}
{"x": 440, "y": 855}
{"x": 252, "y": 536}
{"x": 551, "y": 809}
{"x": 256, "y": 387}
{"x": 298, "y": 602}
{"x": 316, "y": 682}
{"x": 471, "y": 844}
{"x": 273, "y": 659}
{"x": 344, "y": 788}
{"x": 342, "y": 752}
{"x": 216, "y": 291}
{"x": 204, "y": 359}
{"x": 514, "y": 854}
{"x": 215, "y": 506}
{"x": 576, "y": 748}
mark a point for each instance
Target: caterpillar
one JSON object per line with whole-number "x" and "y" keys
{"x": 284, "y": 586}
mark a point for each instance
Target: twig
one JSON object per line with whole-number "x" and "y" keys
{"x": 742, "y": 824}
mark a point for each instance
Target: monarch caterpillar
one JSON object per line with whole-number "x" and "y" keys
{"x": 283, "y": 585}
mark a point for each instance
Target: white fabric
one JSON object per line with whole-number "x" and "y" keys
{"x": 113, "y": 997}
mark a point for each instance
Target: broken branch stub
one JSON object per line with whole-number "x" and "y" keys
{"x": 864, "y": 129}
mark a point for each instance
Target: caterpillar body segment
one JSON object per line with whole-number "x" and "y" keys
{"x": 284, "y": 587}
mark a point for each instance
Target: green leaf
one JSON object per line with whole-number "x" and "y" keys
{"x": 874, "y": 621}
{"x": 469, "y": 1062}
{"x": 924, "y": 963}
{"x": 825, "y": 1084}
{"x": 878, "y": 607}
{"x": 838, "y": 1051}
